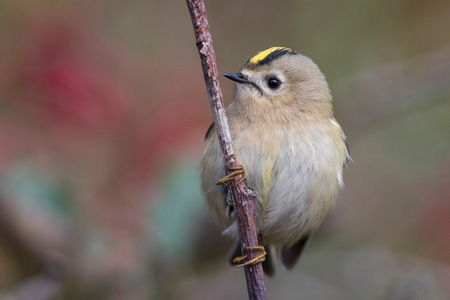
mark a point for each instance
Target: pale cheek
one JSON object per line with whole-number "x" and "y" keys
{"x": 245, "y": 91}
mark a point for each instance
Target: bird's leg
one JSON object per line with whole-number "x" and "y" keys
{"x": 239, "y": 170}
{"x": 259, "y": 258}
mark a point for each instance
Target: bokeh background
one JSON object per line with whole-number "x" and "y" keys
{"x": 103, "y": 111}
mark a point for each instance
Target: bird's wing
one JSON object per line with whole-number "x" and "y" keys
{"x": 210, "y": 131}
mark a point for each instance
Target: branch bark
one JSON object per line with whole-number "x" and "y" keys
{"x": 243, "y": 197}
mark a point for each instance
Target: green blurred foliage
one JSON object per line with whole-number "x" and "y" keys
{"x": 181, "y": 202}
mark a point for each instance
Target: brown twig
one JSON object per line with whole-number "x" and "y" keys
{"x": 243, "y": 197}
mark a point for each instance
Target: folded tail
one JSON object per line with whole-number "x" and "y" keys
{"x": 290, "y": 255}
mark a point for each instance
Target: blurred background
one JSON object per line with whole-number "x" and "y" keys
{"x": 103, "y": 110}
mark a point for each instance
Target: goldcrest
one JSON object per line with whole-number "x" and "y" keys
{"x": 291, "y": 147}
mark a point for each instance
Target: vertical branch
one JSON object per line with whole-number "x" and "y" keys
{"x": 243, "y": 197}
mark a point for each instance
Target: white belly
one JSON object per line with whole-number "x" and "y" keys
{"x": 295, "y": 180}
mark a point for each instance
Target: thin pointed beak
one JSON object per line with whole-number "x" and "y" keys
{"x": 238, "y": 77}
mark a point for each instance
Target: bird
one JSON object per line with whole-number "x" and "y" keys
{"x": 291, "y": 152}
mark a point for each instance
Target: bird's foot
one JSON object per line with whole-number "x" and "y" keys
{"x": 237, "y": 171}
{"x": 259, "y": 258}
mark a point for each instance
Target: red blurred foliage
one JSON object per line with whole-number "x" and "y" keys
{"x": 435, "y": 223}
{"x": 179, "y": 124}
{"x": 64, "y": 73}
{"x": 72, "y": 82}
{"x": 79, "y": 94}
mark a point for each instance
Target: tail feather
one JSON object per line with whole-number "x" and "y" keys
{"x": 290, "y": 255}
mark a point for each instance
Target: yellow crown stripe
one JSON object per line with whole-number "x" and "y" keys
{"x": 263, "y": 54}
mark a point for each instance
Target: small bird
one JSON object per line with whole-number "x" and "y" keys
{"x": 291, "y": 148}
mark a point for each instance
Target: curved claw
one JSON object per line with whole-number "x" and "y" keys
{"x": 259, "y": 258}
{"x": 239, "y": 170}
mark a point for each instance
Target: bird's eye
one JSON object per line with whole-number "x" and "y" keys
{"x": 273, "y": 83}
